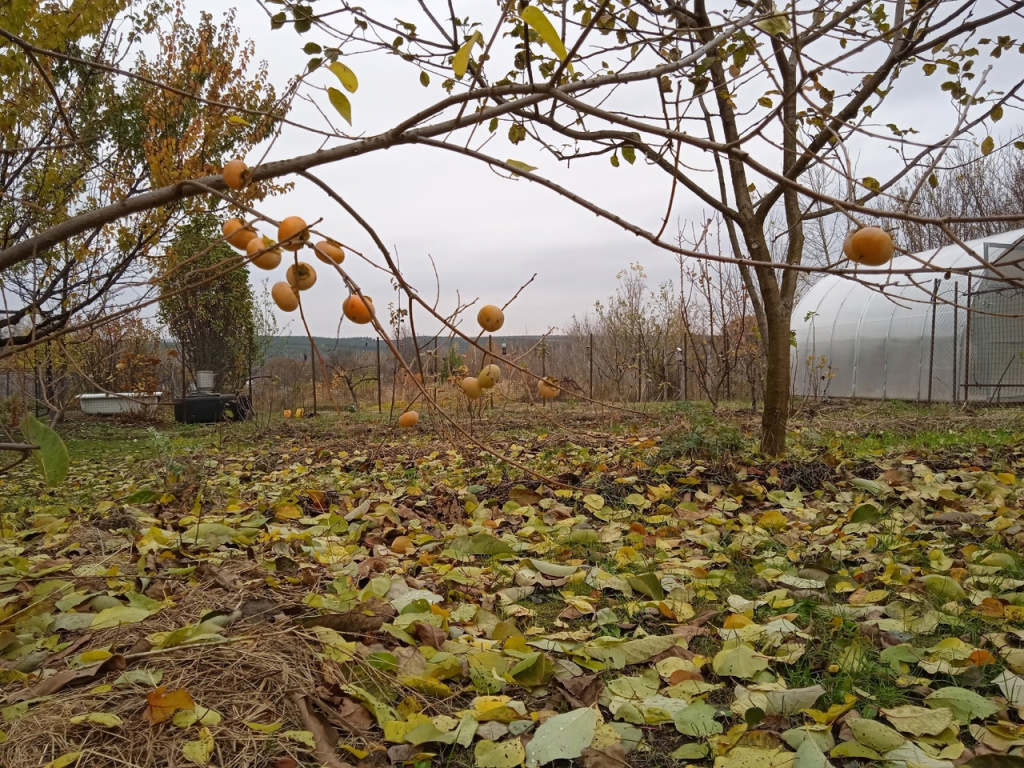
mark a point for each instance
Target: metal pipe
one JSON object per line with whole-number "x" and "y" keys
{"x": 380, "y": 396}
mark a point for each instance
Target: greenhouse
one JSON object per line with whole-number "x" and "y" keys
{"x": 911, "y": 337}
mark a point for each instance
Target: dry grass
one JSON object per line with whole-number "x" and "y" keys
{"x": 248, "y": 679}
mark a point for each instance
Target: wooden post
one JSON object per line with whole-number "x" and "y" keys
{"x": 312, "y": 362}
{"x": 591, "y": 366}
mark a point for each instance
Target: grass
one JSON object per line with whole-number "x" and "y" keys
{"x": 621, "y": 456}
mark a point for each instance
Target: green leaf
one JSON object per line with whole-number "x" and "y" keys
{"x": 535, "y": 17}
{"x": 774, "y": 25}
{"x": 424, "y": 79}
{"x": 691, "y": 752}
{"x": 943, "y": 587}
{"x": 864, "y": 484}
{"x": 199, "y": 751}
{"x": 875, "y": 735}
{"x": 554, "y": 570}
{"x": 506, "y": 754}
{"x": 866, "y": 513}
{"x": 738, "y": 660}
{"x": 764, "y": 101}
{"x": 614, "y": 160}
{"x": 521, "y": 165}
{"x": 810, "y": 755}
{"x": 311, "y": 48}
{"x": 647, "y": 584}
{"x": 997, "y": 113}
{"x": 562, "y": 737}
{"x": 121, "y": 614}
{"x": 341, "y": 103}
{"x": 988, "y": 145}
{"x": 697, "y": 720}
{"x": 918, "y": 721}
{"x": 964, "y": 704}
{"x": 871, "y": 183}
{"x": 933, "y": 181}
{"x": 52, "y": 457}
{"x": 480, "y": 544}
{"x": 994, "y": 761}
{"x": 348, "y": 78}
{"x": 629, "y": 154}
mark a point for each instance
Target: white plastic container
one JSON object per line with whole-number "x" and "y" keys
{"x": 103, "y": 404}
{"x": 204, "y": 381}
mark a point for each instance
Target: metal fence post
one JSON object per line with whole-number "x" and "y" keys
{"x": 956, "y": 345}
{"x": 967, "y": 345}
{"x": 380, "y": 395}
{"x": 931, "y": 345}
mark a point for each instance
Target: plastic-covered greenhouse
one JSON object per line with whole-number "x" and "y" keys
{"x": 853, "y": 340}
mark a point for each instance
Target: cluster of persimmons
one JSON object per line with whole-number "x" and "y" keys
{"x": 293, "y": 235}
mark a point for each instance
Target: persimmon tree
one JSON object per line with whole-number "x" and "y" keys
{"x": 734, "y": 105}
{"x": 75, "y": 137}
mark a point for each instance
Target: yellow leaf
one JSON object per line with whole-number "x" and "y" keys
{"x": 461, "y": 61}
{"x": 238, "y": 120}
{"x": 341, "y": 103}
{"x": 425, "y": 685}
{"x": 199, "y": 751}
{"x": 162, "y": 706}
{"x": 93, "y": 656}
{"x": 64, "y": 760}
{"x": 97, "y": 718}
{"x": 773, "y": 520}
{"x": 987, "y": 145}
{"x": 535, "y": 17}
{"x": 287, "y": 512}
{"x": 348, "y": 78}
{"x": 265, "y": 727}
{"x": 521, "y": 165}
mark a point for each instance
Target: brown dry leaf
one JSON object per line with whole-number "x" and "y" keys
{"x": 60, "y": 680}
{"x": 220, "y": 577}
{"x": 162, "y": 706}
{"x": 524, "y": 496}
{"x": 582, "y": 691}
{"x": 324, "y": 737}
{"x": 365, "y": 618}
{"x": 611, "y": 756}
{"x": 352, "y": 716}
{"x": 429, "y": 635}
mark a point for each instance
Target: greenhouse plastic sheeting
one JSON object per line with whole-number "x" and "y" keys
{"x": 888, "y": 339}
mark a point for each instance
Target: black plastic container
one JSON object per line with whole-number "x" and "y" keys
{"x": 209, "y": 407}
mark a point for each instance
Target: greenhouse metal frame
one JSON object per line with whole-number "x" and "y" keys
{"x": 954, "y": 334}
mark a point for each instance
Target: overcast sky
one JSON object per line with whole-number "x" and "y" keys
{"x": 486, "y": 234}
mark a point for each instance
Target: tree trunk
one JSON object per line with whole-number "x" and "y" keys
{"x": 775, "y": 416}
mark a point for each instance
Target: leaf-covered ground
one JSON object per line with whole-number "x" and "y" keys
{"x": 344, "y": 594}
